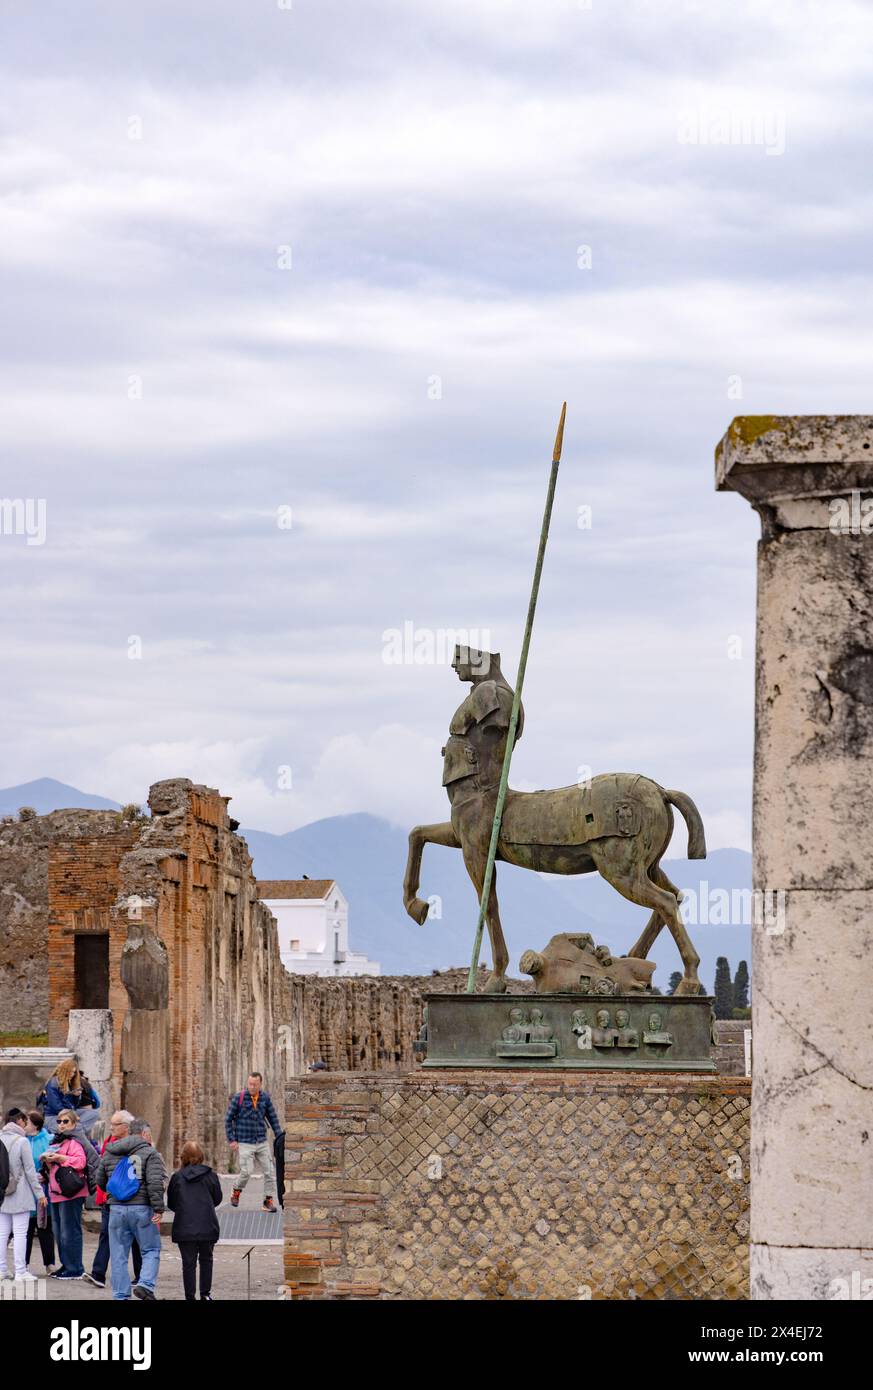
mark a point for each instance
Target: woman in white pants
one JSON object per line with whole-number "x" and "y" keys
{"x": 24, "y": 1185}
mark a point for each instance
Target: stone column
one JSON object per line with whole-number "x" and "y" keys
{"x": 810, "y": 478}
{"x": 90, "y": 1038}
{"x": 145, "y": 1038}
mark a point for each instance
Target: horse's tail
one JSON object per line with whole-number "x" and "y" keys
{"x": 690, "y": 814}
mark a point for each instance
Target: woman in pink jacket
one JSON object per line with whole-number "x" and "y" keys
{"x": 67, "y": 1207}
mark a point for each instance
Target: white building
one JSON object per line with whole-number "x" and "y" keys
{"x": 313, "y": 920}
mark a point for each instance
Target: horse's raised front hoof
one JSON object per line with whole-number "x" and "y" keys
{"x": 418, "y": 910}
{"x": 686, "y": 986}
{"x": 495, "y": 984}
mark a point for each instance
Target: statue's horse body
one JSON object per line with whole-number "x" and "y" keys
{"x": 618, "y": 824}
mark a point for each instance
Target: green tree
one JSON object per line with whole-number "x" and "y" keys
{"x": 723, "y": 989}
{"x": 741, "y": 986}
{"x": 674, "y": 981}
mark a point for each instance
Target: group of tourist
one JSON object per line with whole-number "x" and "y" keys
{"x": 49, "y": 1164}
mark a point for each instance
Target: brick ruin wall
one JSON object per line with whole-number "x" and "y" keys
{"x": 517, "y": 1185}
{"x": 24, "y": 857}
{"x": 228, "y": 991}
{"x": 731, "y": 1049}
{"x": 352, "y": 1024}
{"x": 233, "y": 1005}
{"x": 83, "y": 883}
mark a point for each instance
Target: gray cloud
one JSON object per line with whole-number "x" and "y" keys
{"x": 434, "y": 170}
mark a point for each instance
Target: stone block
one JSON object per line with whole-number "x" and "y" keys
{"x": 145, "y": 1042}
{"x": 812, "y": 1084}
{"x": 787, "y": 1273}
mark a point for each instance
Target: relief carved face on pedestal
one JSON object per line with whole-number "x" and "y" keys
{"x": 604, "y": 1035}
{"x": 539, "y": 1031}
{"x": 627, "y": 1036}
{"x": 527, "y": 1037}
{"x": 517, "y": 1030}
{"x": 654, "y": 1035}
{"x": 582, "y": 1028}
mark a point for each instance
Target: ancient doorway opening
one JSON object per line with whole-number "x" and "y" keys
{"x": 91, "y": 971}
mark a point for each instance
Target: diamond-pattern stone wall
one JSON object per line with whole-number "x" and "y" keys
{"x": 486, "y": 1185}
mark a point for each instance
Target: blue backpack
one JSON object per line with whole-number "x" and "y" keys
{"x": 124, "y": 1180}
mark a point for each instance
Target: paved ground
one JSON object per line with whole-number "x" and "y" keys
{"x": 229, "y": 1279}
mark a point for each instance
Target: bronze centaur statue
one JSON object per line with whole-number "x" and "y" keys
{"x": 619, "y": 824}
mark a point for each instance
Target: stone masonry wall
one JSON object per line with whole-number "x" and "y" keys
{"x": 24, "y": 855}
{"x": 441, "y": 1184}
{"x": 233, "y": 1006}
{"x": 353, "y": 1024}
{"x": 730, "y": 1052}
{"x": 82, "y": 878}
{"x": 191, "y": 876}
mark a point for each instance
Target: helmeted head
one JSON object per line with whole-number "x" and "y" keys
{"x": 472, "y": 664}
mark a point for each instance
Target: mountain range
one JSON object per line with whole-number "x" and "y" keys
{"x": 46, "y": 794}
{"x": 367, "y": 857}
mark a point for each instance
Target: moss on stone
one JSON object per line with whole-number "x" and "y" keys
{"x": 745, "y": 429}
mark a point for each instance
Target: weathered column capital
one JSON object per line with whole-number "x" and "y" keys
{"x": 791, "y": 467}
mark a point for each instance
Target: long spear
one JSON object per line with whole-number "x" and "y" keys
{"x": 516, "y": 704}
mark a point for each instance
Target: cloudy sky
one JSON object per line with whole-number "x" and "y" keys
{"x": 337, "y": 263}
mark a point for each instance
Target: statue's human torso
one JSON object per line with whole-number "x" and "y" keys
{"x": 477, "y": 735}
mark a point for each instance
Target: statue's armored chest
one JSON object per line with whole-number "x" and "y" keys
{"x": 466, "y": 715}
{"x": 461, "y": 720}
{"x": 469, "y": 749}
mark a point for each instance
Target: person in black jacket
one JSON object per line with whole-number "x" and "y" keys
{"x": 192, "y": 1196}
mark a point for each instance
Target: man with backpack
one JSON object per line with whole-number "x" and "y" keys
{"x": 245, "y": 1125}
{"x": 97, "y": 1277}
{"x": 132, "y": 1176}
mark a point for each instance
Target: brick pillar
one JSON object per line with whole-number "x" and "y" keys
{"x": 321, "y": 1201}
{"x": 810, "y": 478}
